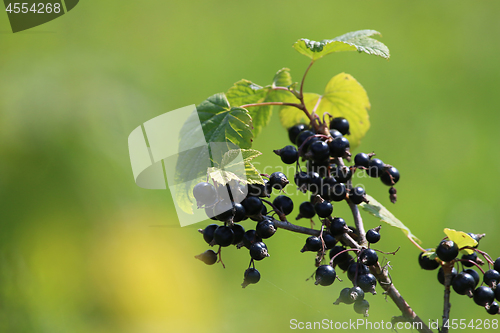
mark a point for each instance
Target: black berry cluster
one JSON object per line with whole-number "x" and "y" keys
{"x": 221, "y": 204}
{"x": 324, "y": 175}
{"x": 468, "y": 281}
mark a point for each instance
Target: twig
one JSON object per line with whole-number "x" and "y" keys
{"x": 447, "y": 269}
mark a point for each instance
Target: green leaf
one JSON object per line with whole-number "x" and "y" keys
{"x": 343, "y": 97}
{"x": 246, "y": 92}
{"x": 352, "y": 41}
{"x": 377, "y": 210}
{"x": 220, "y": 123}
{"x": 282, "y": 78}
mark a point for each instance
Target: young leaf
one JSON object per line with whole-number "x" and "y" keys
{"x": 232, "y": 162}
{"x": 461, "y": 239}
{"x": 376, "y": 209}
{"x": 246, "y": 92}
{"x": 343, "y": 97}
{"x": 351, "y": 41}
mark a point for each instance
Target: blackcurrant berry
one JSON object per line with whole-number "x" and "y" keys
{"x": 335, "y": 134}
{"x": 266, "y": 228}
{"x": 205, "y": 194}
{"x": 278, "y": 180}
{"x": 294, "y": 131}
{"x": 474, "y": 274}
{"x": 493, "y": 309}
{"x": 339, "y": 147}
{"x": 302, "y": 179}
{"x": 343, "y": 174}
{"x": 321, "y": 167}
{"x": 357, "y": 294}
{"x": 389, "y": 176}
{"x": 344, "y": 265}
{"x": 288, "y": 154}
{"x": 260, "y": 190}
{"x": 484, "y": 296}
{"x": 325, "y": 275}
{"x": 447, "y": 250}
{"x": 496, "y": 267}
{"x": 313, "y": 244}
{"x": 224, "y": 210}
{"x": 463, "y": 284}
{"x": 318, "y": 151}
{"x": 362, "y": 160}
{"x": 440, "y": 275}
{"x": 345, "y": 297}
{"x": 361, "y": 268}
{"x": 210, "y": 213}
{"x": 426, "y": 262}
{"x": 367, "y": 282}
{"x": 375, "y": 168}
{"x": 368, "y": 257}
{"x": 306, "y": 209}
{"x": 250, "y": 237}
{"x": 284, "y": 204}
{"x": 472, "y": 257}
{"x": 373, "y": 236}
{"x": 209, "y": 257}
{"x": 315, "y": 183}
{"x": 238, "y": 232}
{"x": 343, "y": 257}
{"x": 340, "y": 124}
{"x": 263, "y": 213}
{"x": 497, "y": 294}
{"x": 251, "y": 276}
{"x": 323, "y": 209}
{"x": 357, "y": 195}
{"x": 240, "y": 212}
{"x": 329, "y": 240}
{"x": 362, "y": 307}
{"x": 223, "y": 236}
{"x": 338, "y": 192}
{"x": 302, "y": 137}
{"x": 337, "y": 226}
{"x": 208, "y": 232}
{"x": 253, "y": 205}
{"x": 258, "y": 251}
{"x": 491, "y": 278}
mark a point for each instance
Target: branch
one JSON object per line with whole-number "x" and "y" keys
{"x": 381, "y": 274}
{"x": 358, "y": 222}
{"x": 447, "y": 269}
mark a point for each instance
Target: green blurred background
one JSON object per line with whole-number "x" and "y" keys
{"x": 83, "y": 249}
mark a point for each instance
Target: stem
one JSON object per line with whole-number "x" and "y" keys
{"x": 447, "y": 268}
{"x": 358, "y": 222}
{"x": 471, "y": 262}
{"x": 301, "y": 97}
{"x": 298, "y": 106}
{"x": 303, "y": 79}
